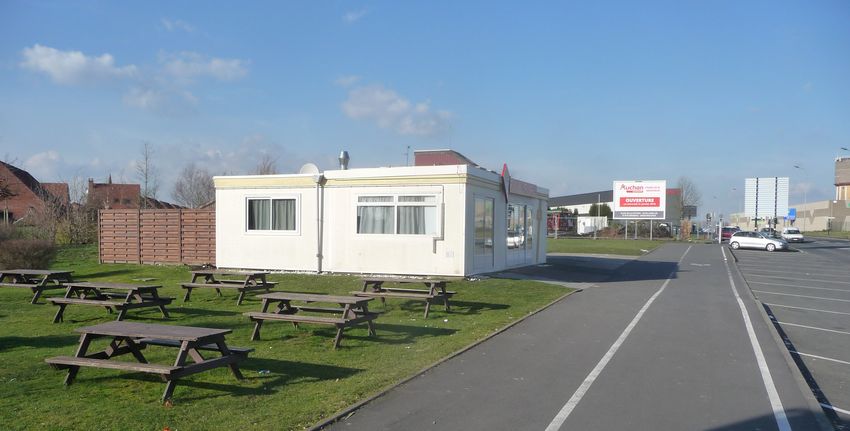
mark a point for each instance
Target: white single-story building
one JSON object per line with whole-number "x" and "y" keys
{"x": 448, "y": 220}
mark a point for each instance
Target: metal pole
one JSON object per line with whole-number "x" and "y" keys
{"x": 650, "y": 230}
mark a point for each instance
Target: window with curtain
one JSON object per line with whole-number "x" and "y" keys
{"x": 272, "y": 214}
{"x": 403, "y": 215}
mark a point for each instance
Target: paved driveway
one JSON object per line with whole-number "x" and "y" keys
{"x": 670, "y": 341}
{"x": 807, "y": 293}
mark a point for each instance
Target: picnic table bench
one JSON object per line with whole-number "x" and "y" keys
{"x": 374, "y": 287}
{"x": 132, "y": 338}
{"x": 249, "y": 280}
{"x": 119, "y": 296}
{"x": 37, "y": 280}
{"x": 351, "y": 311}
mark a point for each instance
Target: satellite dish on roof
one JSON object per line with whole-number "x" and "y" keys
{"x": 309, "y": 168}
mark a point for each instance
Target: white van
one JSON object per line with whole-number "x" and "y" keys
{"x": 792, "y": 234}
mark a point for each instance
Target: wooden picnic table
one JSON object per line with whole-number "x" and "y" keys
{"x": 374, "y": 287}
{"x": 242, "y": 281}
{"x": 37, "y": 280}
{"x": 350, "y": 311}
{"x": 120, "y": 296}
{"x": 132, "y": 338}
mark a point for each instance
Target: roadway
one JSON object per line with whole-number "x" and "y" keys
{"x": 670, "y": 341}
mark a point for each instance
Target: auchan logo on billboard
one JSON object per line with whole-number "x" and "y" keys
{"x": 631, "y": 188}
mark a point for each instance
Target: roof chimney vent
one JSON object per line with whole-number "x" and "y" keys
{"x": 343, "y": 160}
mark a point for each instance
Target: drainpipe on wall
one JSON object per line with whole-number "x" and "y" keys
{"x": 320, "y": 207}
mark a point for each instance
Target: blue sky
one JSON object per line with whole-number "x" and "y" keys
{"x": 571, "y": 95}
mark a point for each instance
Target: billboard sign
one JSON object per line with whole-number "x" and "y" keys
{"x": 640, "y": 200}
{"x": 766, "y": 198}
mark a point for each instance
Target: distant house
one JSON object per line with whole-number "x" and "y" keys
{"x": 116, "y": 196}
{"x": 26, "y": 195}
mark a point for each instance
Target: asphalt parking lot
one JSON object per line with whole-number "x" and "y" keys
{"x": 806, "y": 291}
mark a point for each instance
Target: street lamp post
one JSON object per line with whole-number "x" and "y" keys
{"x": 805, "y": 190}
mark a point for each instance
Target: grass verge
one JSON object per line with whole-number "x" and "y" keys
{"x": 626, "y": 247}
{"x": 305, "y": 381}
{"x": 832, "y": 234}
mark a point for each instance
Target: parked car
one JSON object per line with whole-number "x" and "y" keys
{"x": 769, "y": 232}
{"x": 726, "y": 232}
{"x": 792, "y": 234}
{"x": 759, "y": 240}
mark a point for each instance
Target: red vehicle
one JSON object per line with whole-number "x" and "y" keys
{"x": 726, "y": 232}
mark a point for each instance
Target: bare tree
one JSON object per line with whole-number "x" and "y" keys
{"x": 194, "y": 187}
{"x": 147, "y": 174}
{"x": 6, "y": 193}
{"x": 691, "y": 196}
{"x": 267, "y": 165}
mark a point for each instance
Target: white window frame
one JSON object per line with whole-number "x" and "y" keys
{"x": 395, "y": 195}
{"x": 296, "y": 231}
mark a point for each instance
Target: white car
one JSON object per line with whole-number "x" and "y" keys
{"x": 749, "y": 239}
{"x": 792, "y": 234}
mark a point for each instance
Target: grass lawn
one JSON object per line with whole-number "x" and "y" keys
{"x": 832, "y": 234}
{"x": 306, "y": 380}
{"x": 627, "y": 247}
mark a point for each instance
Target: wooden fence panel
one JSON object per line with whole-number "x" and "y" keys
{"x": 118, "y": 232}
{"x": 157, "y": 236}
{"x": 197, "y": 237}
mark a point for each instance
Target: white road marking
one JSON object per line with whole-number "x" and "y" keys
{"x": 820, "y": 357}
{"x": 846, "y": 412}
{"x": 808, "y": 273}
{"x": 571, "y": 404}
{"x": 772, "y": 394}
{"x": 812, "y": 327}
{"x": 800, "y": 279}
{"x": 804, "y": 308}
{"x": 802, "y": 296}
{"x": 798, "y": 286}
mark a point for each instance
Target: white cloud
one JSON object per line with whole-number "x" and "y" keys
{"x": 176, "y": 24}
{"x": 354, "y": 16}
{"x": 391, "y": 111}
{"x": 190, "y": 65}
{"x": 161, "y": 101}
{"x": 346, "y": 81}
{"x": 73, "y": 67}
{"x": 43, "y": 165}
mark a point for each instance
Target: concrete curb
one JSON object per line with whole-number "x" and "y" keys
{"x": 814, "y": 405}
{"x": 344, "y": 413}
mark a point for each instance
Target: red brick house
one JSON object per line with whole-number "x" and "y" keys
{"x": 21, "y": 195}
{"x": 115, "y": 196}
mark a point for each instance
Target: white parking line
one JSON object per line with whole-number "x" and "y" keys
{"x": 800, "y": 279}
{"x": 801, "y": 296}
{"x": 798, "y": 286}
{"x": 824, "y": 358}
{"x": 571, "y": 404}
{"x": 804, "y": 308}
{"x": 767, "y": 379}
{"x": 808, "y": 273}
{"x": 846, "y": 412}
{"x": 812, "y": 327}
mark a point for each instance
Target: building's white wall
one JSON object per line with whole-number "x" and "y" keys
{"x": 348, "y": 251}
{"x": 238, "y": 248}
